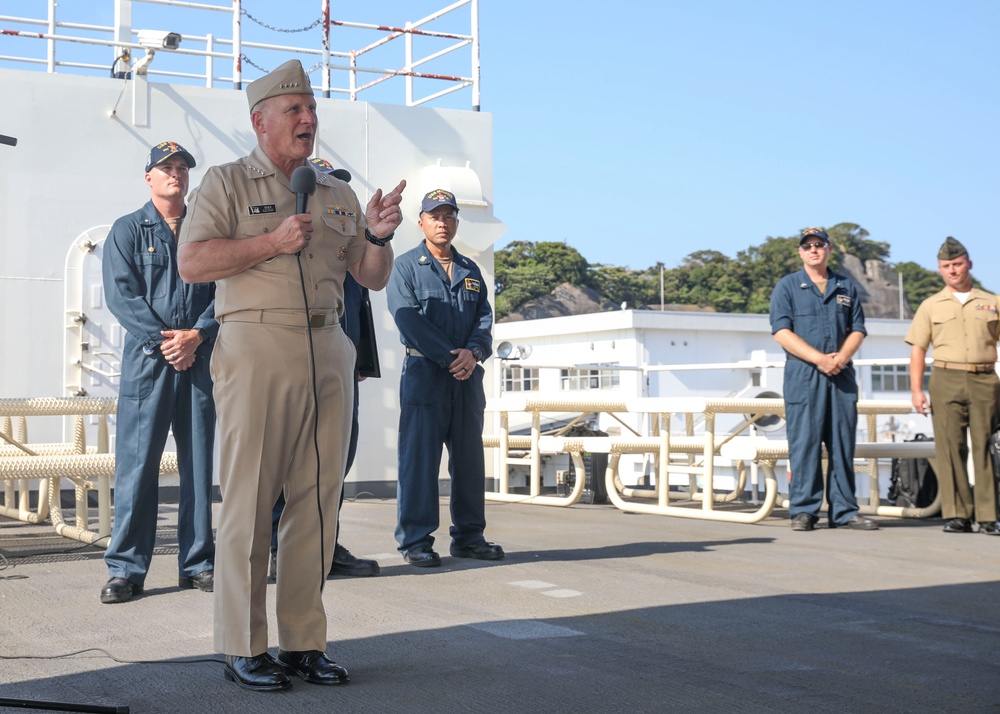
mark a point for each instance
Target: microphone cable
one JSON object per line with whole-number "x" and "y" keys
{"x": 303, "y": 184}
{"x": 315, "y": 429}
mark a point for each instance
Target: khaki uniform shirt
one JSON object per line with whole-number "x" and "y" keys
{"x": 959, "y": 333}
{"x": 251, "y": 196}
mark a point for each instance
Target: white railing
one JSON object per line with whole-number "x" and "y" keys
{"x": 88, "y": 468}
{"x": 194, "y": 58}
{"x": 527, "y": 450}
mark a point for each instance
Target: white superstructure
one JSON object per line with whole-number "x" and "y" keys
{"x": 81, "y": 143}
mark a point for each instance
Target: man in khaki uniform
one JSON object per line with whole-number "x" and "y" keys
{"x": 283, "y": 371}
{"x": 962, "y": 325}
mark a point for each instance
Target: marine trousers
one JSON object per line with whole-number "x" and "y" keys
{"x": 272, "y": 426}
{"x": 964, "y": 403}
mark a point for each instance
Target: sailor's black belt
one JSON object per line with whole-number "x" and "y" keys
{"x": 290, "y": 319}
{"x": 966, "y": 366}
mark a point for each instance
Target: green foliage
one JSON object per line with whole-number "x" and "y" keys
{"x": 707, "y": 278}
{"x": 765, "y": 264}
{"x": 525, "y": 271}
{"x": 710, "y": 279}
{"x": 620, "y": 285}
{"x": 852, "y": 239}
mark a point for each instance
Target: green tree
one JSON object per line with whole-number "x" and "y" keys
{"x": 565, "y": 264}
{"x": 708, "y": 278}
{"x": 919, "y": 283}
{"x": 526, "y": 270}
{"x": 620, "y": 285}
{"x": 764, "y": 265}
{"x": 852, "y": 239}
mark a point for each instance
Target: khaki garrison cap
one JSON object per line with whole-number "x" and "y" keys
{"x": 951, "y": 249}
{"x": 288, "y": 78}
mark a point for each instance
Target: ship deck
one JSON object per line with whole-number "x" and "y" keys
{"x": 593, "y": 610}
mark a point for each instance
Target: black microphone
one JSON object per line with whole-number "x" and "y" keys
{"x": 304, "y": 185}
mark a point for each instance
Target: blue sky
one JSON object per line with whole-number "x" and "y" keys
{"x": 641, "y": 131}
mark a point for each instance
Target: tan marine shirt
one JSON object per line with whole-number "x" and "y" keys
{"x": 959, "y": 333}
{"x": 249, "y": 197}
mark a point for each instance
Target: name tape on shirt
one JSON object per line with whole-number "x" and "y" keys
{"x": 844, "y": 300}
{"x": 472, "y": 285}
{"x": 264, "y": 208}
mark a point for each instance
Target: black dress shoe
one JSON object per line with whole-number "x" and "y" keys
{"x": 958, "y": 525}
{"x": 259, "y": 673}
{"x": 860, "y": 523}
{"x": 989, "y": 527}
{"x": 204, "y": 581}
{"x": 313, "y": 666}
{"x": 422, "y": 557}
{"x": 119, "y": 590}
{"x": 344, "y": 563}
{"x": 803, "y": 522}
{"x": 480, "y": 550}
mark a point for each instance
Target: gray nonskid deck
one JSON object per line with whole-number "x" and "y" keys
{"x": 593, "y": 610}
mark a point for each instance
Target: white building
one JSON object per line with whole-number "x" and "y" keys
{"x": 640, "y": 353}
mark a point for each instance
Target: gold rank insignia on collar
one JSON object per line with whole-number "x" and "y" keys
{"x": 260, "y": 172}
{"x": 423, "y": 259}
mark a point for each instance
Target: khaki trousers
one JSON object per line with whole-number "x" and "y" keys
{"x": 964, "y": 402}
{"x": 266, "y": 410}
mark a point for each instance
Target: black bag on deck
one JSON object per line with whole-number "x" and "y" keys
{"x": 995, "y": 453}
{"x": 914, "y": 483}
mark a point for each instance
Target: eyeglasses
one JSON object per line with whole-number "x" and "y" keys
{"x": 812, "y": 246}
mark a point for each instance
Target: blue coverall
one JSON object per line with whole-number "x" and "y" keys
{"x": 819, "y": 409}
{"x": 434, "y": 316}
{"x": 146, "y": 295}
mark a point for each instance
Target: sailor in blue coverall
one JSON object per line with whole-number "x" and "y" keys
{"x": 439, "y": 301}
{"x": 170, "y": 328}
{"x": 816, "y": 316}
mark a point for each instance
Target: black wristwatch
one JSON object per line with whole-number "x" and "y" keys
{"x": 477, "y": 352}
{"x": 203, "y": 335}
{"x": 378, "y": 241}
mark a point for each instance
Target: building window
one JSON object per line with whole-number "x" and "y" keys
{"x": 572, "y": 380}
{"x": 894, "y": 377}
{"x": 520, "y": 379}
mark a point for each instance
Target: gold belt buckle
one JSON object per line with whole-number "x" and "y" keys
{"x": 317, "y": 320}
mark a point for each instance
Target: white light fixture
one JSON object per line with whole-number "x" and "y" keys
{"x": 509, "y": 351}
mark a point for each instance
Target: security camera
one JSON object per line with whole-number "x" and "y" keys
{"x": 159, "y": 39}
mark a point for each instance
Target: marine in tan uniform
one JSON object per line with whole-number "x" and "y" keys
{"x": 283, "y": 374}
{"x": 961, "y": 323}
